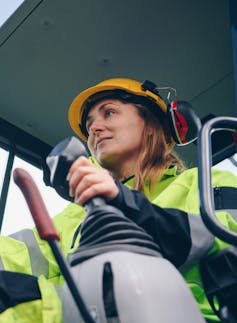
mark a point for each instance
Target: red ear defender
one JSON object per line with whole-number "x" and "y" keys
{"x": 183, "y": 122}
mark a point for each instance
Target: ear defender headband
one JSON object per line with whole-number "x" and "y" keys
{"x": 183, "y": 122}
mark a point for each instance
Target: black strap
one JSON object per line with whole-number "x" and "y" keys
{"x": 17, "y": 288}
{"x": 225, "y": 198}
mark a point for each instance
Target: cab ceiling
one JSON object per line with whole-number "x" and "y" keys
{"x": 52, "y": 49}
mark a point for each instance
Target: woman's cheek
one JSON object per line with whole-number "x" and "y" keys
{"x": 90, "y": 146}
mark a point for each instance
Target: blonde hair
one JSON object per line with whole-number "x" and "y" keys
{"x": 156, "y": 152}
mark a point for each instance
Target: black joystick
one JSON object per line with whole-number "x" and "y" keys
{"x": 59, "y": 162}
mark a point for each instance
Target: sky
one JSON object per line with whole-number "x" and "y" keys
{"x": 7, "y": 7}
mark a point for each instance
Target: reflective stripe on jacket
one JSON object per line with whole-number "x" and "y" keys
{"x": 25, "y": 252}
{"x": 185, "y": 189}
{"x": 174, "y": 191}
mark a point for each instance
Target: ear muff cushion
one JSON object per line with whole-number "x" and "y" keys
{"x": 183, "y": 121}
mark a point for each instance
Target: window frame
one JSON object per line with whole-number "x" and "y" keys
{"x": 18, "y": 142}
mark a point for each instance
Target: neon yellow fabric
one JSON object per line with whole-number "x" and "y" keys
{"x": 66, "y": 223}
{"x": 173, "y": 191}
{"x": 23, "y": 313}
{"x": 45, "y": 310}
{"x": 183, "y": 194}
{"x": 14, "y": 255}
{"x": 51, "y": 305}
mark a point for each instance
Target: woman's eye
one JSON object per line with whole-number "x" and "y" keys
{"x": 109, "y": 113}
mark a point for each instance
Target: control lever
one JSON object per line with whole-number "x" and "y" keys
{"x": 48, "y": 232}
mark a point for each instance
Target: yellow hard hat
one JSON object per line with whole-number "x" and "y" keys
{"x": 75, "y": 113}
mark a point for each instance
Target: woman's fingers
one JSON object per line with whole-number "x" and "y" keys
{"x": 79, "y": 178}
{"x": 78, "y": 163}
{"x": 87, "y": 181}
{"x": 96, "y": 189}
{"x": 78, "y": 169}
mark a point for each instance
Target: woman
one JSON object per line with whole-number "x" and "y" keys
{"x": 127, "y": 140}
{"x": 127, "y": 132}
{"x": 132, "y": 167}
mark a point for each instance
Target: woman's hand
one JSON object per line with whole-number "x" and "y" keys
{"x": 87, "y": 181}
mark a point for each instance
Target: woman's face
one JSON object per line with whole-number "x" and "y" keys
{"x": 115, "y": 132}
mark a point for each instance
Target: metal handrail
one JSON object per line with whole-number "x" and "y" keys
{"x": 206, "y": 198}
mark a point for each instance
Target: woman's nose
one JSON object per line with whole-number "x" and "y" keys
{"x": 97, "y": 126}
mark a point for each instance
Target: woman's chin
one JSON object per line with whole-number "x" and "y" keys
{"x": 106, "y": 159}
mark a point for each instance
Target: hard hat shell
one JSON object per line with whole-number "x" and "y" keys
{"x": 131, "y": 86}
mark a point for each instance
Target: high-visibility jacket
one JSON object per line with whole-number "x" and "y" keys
{"x": 30, "y": 255}
{"x": 182, "y": 193}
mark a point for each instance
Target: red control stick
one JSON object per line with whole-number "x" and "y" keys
{"x": 47, "y": 231}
